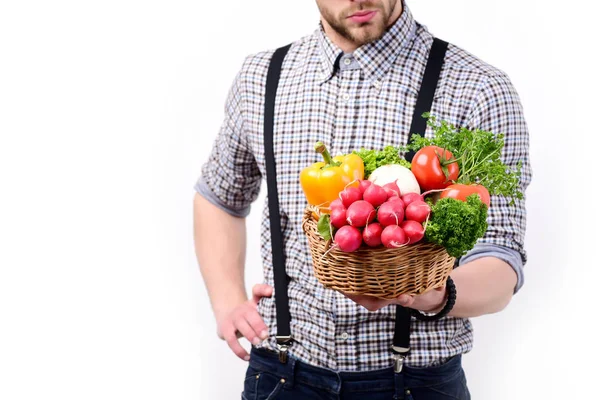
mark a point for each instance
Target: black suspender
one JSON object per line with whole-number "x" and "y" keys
{"x": 283, "y": 336}
{"x": 401, "y": 341}
{"x": 431, "y": 76}
{"x": 429, "y": 83}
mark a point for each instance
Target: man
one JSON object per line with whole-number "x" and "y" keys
{"x": 353, "y": 83}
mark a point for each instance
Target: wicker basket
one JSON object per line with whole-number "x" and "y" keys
{"x": 380, "y": 272}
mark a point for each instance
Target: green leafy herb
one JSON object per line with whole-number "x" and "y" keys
{"x": 457, "y": 225}
{"x": 324, "y": 227}
{"x": 374, "y": 159}
{"x": 478, "y": 154}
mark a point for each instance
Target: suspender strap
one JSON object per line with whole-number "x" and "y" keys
{"x": 401, "y": 341}
{"x": 427, "y": 91}
{"x": 283, "y": 335}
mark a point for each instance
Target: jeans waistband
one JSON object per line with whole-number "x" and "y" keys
{"x": 327, "y": 379}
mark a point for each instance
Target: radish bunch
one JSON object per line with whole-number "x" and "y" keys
{"x": 377, "y": 215}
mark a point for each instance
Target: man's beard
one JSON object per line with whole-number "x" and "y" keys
{"x": 359, "y": 34}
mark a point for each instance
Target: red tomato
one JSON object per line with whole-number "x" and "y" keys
{"x": 427, "y": 167}
{"x": 461, "y": 192}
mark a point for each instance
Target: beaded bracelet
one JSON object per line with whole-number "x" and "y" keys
{"x": 444, "y": 311}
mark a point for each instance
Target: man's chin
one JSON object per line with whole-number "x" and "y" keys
{"x": 362, "y": 36}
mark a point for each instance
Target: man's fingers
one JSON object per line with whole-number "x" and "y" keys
{"x": 406, "y": 300}
{"x": 246, "y": 330}
{"x": 257, "y": 324}
{"x": 236, "y": 347}
{"x": 368, "y": 302}
{"x": 261, "y": 290}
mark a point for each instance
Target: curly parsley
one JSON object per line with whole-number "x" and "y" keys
{"x": 457, "y": 225}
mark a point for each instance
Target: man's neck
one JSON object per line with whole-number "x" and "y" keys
{"x": 348, "y": 46}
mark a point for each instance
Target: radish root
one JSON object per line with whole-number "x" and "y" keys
{"x": 433, "y": 191}
{"x": 327, "y": 252}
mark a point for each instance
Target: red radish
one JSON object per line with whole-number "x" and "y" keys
{"x": 337, "y": 203}
{"x": 364, "y": 185}
{"x": 391, "y": 193}
{"x": 393, "y": 236}
{"x": 418, "y": 211}
{"x": 391, "y": 213}
{"x": 398, "y": 200}
{"x": 376, "y": 195}
{"x": 372, "y": 234}
{"x": 338, "y": 217}
{"x": 410, "y": 197}
{"x": 360, "y": 213}
{"x": 348, "y": 238}
{"x": 414, "y": 231}
{"x": 350, "y": 195}
{"x": 393, "y": 186}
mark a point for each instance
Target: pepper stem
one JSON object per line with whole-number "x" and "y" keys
{"x": 320, "y": 148}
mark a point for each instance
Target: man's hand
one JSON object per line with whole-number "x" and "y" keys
{"x": 431, "y": 301}
{"x": 244, "y": 320}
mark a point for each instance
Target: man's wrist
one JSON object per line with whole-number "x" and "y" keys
{"x": 226, "y": 306}
{"x": 442, "y": 302}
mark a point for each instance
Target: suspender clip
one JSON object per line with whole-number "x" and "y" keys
{"x": 399, "y": 354}
{"x": 283, "y": 344}
{"x": 398, "y": 362}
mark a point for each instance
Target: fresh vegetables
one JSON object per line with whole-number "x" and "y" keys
{"x": 478, "y": 155}
{"x": 434, "y": 168}
{"x": 378, "y": 199}
{"x": 378, "y": 215}
{"x": 456, "y": 225}
{"x": 323, "y": 181}
{"x": 374, "y": 159}
{"x": 394, "y": 173}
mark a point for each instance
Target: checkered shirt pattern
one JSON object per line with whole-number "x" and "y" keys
{"x": 350, "y": 101}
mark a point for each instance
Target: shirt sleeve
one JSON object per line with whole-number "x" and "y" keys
{"x": 230, "y": 178}
{"x": 498, "y": 109}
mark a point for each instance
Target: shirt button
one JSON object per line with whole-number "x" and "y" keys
{"x": 347, "y": 61}
{"x": 377, "y": 84}
{"x": 345, "y": 335}
{"x": 346, "y": 96}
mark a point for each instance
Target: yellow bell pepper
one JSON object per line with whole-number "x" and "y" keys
{"x": 322, "y": 182}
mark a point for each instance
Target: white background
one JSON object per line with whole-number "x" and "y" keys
{"x": 108, "y": 109}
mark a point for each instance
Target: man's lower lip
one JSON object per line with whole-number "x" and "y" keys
{"x": 362, "y": 18}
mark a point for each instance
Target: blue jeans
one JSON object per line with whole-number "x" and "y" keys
{"x": 267, "y": 379}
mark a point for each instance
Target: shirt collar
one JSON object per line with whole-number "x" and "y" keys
{"x": 375, "y": 58}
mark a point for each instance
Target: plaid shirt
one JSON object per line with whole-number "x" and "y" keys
{"x": 349, "y": 101}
